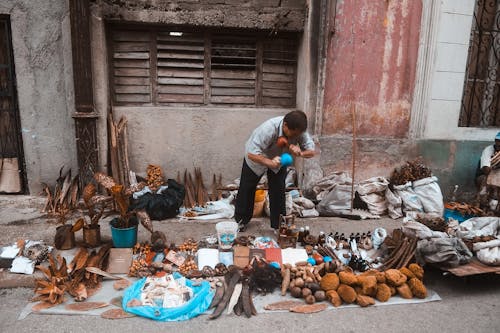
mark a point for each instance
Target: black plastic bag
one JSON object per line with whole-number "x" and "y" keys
{"x": 164, "y": 205}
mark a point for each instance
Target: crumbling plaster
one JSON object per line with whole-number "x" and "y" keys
{"x": 42, "y": 57}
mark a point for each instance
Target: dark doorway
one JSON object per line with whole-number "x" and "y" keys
{"x": 12, "y": 171}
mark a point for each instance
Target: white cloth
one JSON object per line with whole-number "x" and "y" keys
{"x": 486, "y": 156}
{"x": 263, "y": 139}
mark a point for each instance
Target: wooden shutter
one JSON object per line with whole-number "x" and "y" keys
{"x": 279, "y": 72}
{"x": 180, "y": 67}
{"x": 233, "y": 70}
{"x": 131, "y": 66}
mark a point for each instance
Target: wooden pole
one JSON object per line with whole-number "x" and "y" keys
{"x": 353, "y": 111}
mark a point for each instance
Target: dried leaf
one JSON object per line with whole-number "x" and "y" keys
{"x": 104, "y": 180}
{"x": 78, "y": 224}
{"x": 309, "y": 308}
{"x": 116, "y": 314}
{"x": 117, "y": 301}
{"x": 79, "y": 260}
{"x": 283, "y": 305}
{"x": 88, "y": 192}
{"x": 94, "y": 290}
{"x": 133, "y": 303}
{"x": 143, "y": 216}
{"x": 121, "y": 284}
{"x": 85, "y": 306}
{"x": 41, "y": 306}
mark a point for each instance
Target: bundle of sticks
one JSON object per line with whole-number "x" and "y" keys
{"x": 64, "y": 197}
{"x": 495, "y": 159}
{"x": 196, "y": 191}
{"x": 464, "y": 208}
{"x": 411, "y": 171}
{"x": 402, "y": 250}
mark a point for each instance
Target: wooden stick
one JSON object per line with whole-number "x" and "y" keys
{"x": 353, "y": 108}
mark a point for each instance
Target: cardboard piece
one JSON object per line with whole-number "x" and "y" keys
{"x": 10, "y": 176}
{"x": 274, "y": 255}
{"x": 120, "y": 260}
{"x": 241, "y": 256}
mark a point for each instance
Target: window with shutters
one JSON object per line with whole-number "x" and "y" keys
{"x": 157, "y": 66}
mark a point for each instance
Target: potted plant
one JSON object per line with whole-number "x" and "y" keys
{"x": 94, "y": 209}
{"x": 124, "y": 226}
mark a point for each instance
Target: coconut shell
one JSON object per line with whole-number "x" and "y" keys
{"x": 41, "y": 306}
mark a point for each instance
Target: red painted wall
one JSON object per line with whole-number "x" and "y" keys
{"x": 371, "y": 64}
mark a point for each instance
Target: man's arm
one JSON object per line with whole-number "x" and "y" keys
{"x": 261, "y": 159}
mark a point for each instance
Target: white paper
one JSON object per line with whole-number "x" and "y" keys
{"x": 292, "y": 256}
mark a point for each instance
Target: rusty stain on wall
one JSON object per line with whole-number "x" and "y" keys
{"x": 371, "y": 62}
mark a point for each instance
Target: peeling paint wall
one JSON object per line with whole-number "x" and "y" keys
{"x": 42, "y": 57}
{"x": 371, "y": 64}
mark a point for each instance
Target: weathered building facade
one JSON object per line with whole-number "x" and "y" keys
{"x": 382, "y": 78}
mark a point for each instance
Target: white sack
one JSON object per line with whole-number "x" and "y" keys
{"x": 429, "y": 193}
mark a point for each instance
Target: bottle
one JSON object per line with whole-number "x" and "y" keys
{"x": 306, "y": 231}
{"x": 321, "y": 238}
{"x": 300, "y": 239}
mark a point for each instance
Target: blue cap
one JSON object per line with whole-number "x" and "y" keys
{"x": 497, "y": 137}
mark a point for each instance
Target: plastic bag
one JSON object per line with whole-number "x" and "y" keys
{"x": 429, "y": 193}
{"x": 160, "y": 206}
{"x": 198, "y": 304}
{"x": 411, "y": 201}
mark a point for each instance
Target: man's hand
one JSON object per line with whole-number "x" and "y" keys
{"x": 295, "y": 150}
{"x": 275, "y": 163}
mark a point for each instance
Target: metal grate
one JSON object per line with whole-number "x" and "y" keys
{"x": 481, "y": 99}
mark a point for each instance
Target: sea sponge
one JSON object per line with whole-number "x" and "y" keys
{"x": 417, "y": 288}
{"x": 329, "y": 282}
{"x": 409, "y": 274}
{"x": 348, "y": 277}
{"x": 347, "y": 293}
{"x": 368, "y": 284}
{"x": 393, "y": 290}
{"x": 394, "y": 277}
{"x": 373, "y": 272}
{"x": 364, "y": 300}
{"x": 334, "y": 298}
{"x": 383, "y": 292}
{"x": 404, "y": 291}
{"x": 417, "y": 270}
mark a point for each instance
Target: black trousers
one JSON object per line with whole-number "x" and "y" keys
{"x": 246, "y": 195}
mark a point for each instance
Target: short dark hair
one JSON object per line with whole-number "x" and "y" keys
{"x": 296, "y": 120}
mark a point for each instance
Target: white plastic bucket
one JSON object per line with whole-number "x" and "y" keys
{"x": 226, "y": 232}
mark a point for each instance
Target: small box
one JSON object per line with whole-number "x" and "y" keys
{"x": 241, "y": 256}
{"x": 120, "y": 260}
{"x": 175, "y": 258}
{"x": 260, "y": 253}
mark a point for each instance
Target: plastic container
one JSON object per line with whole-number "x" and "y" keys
{"x": 226, "y": 233}
{"x": 454, "y": 214}
{"x": 124, "y": 237}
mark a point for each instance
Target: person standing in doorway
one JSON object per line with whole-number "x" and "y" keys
{"x": 262, "y": 154}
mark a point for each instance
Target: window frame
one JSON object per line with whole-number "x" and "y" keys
{"x": 153, "y": 29}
